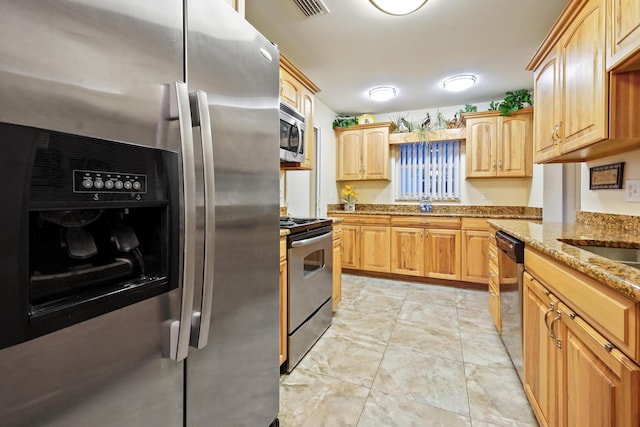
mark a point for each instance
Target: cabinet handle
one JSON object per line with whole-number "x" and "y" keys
{"x": 552, "y": 334}
{"x": 608, "y": 347}
{"x": 555, "y": 136}
{"x": 492, "y": 274}
{"x": 492, "y": 256}
{"x": 546, "y": 315}
{"x": 494, "y": 165}
{"x": 424, "y": 222}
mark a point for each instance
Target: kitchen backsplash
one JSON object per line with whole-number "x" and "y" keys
{"x": 520, "y": 211}
{"x": 628, "y": 223}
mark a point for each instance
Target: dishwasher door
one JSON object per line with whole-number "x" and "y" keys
{"x": 511, "y": 266}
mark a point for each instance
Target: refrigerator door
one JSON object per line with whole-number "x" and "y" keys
{"x": 233, "y": 379}
{"x": 99, "y": 69}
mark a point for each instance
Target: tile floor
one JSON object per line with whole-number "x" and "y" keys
{"x": 406, "y": 354}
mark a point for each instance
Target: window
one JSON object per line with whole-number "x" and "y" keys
{"x": 428, "y": 169}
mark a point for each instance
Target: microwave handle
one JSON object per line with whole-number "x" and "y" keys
{"x": 301, "y": 138}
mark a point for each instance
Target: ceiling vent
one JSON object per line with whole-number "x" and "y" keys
{"x": 312, "y": 7}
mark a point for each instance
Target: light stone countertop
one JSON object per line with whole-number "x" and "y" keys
{"x": 544, "y": 237}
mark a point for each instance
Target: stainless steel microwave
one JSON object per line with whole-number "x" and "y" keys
{"x": 292, "y": 143}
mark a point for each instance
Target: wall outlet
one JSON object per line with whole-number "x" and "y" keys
{"x": 632, "y": 190}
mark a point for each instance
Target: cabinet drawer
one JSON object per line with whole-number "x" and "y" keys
{"x": 613, "y": 315}
{"x": 337, "y": 231}
{"x": 283, "y": 249}
{"x": 367, "y": 219}
{"x": 426, "y": 221}
{"x": 475, "y": 224}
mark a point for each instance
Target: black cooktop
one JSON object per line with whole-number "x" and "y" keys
{"x": 296, "y": 225}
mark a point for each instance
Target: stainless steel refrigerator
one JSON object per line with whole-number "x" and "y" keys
{"x": 139, "y": 259}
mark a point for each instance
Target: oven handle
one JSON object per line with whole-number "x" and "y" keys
{"x": 201, "y": 320}
{"x": 310, "y": 241}
{"x": 179, "y": 331}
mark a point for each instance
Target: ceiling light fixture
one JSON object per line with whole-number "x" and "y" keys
{"x": 459, "y": 83}
{"x": 382, "y": 93}
{"x": 398, "y": 7}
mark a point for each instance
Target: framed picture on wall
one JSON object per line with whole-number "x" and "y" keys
{"x": 606, "y": 176}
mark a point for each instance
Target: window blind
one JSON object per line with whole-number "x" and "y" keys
{"x": 428, "y": 170}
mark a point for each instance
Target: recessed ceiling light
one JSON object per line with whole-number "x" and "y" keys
{"x": 382, "y": 93}
{"x": 459, "y": 83}
{"x": 398, "y": 7}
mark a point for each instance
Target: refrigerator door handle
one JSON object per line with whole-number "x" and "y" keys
{"x": 201, "y": 319}
{"x": 179, "y": 331}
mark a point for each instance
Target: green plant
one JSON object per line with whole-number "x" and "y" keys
{"x": 468, "y": 108}
{"x": 493, "y": 105}
{"x": 514, "y": 101}
{"x": 345, "y": 121}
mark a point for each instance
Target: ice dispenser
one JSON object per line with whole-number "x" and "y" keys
{"x": 93, "y": 232}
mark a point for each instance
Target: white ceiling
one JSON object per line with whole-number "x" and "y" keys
{"x": 356, "y": 47}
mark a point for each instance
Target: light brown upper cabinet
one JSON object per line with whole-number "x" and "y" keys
{"x": 363, "y": 152}
{"x": 499, "y": 146}
{"x": 297, "y": 91}
{"x": 585, "y": 111}
{"x": 623, "y": 35}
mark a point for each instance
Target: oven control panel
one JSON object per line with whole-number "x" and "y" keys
{"x": 108, "y": 182}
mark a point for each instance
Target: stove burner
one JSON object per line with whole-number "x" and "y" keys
{"x": 301, "y": 224}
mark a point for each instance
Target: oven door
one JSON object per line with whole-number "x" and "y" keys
{"x": 310, "y": 274}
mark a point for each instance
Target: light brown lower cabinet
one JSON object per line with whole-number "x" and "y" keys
{"x": 493, "y": 279}
{"x": 336, "y": 295}
{"x": 426, "y": 247}
{"x": 573, "y": 375}
{"x": 284, "y": 297}
{"x": 366, "y": 243}
{"x": 475, "y": 250}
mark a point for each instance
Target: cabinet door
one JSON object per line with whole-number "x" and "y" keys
{"x": 442, "y": 257}
{"x": 350, "y": 246}
{"x": 290, "y": 90}
{"x": 475, "y": 256}
{"x": 539, "y": 352}
{"x": 599, "y": 385}
{"x": 375, "y": 153}
{"x": 481, "y": 149}
{"x": 623, "y": 35}
{"x": 375, "y": 248}
{"x": 337, "y": 272}
{"x": 407, "y": 251}
{"x": 284, "y": 298}
{"x": 547, "y": 120}
{"x": 494, "y": 305}
{"x": 306, "y": 100}
{"x": 349, "y": 153}
{"x": 514, "y": 146}
{"x": 584, "y": 79}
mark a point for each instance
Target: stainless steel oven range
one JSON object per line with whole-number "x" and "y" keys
{"x": 310, "y": 264}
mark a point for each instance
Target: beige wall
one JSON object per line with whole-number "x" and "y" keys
{"x": 498, "y": 192}
{"x": 518, "y": 192}
{"x": 611, "y": 201}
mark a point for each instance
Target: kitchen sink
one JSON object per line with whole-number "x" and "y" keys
{"x": 627, "y": 256}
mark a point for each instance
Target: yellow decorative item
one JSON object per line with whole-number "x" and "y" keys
{"x": 349, "y": 197}
{"x": 366, "y": 119}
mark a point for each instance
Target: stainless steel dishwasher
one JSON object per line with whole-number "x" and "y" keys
{"x": 511, "y": 265}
